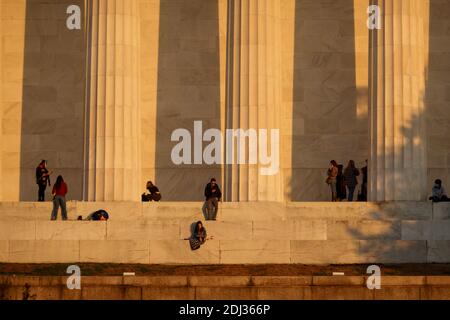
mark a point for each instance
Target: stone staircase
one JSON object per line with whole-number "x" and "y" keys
{"x": 245, "y": 233}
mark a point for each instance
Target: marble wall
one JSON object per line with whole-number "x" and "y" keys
{"x": 183, "y": 78}
{"x": 329, "y": 118}
{"x": 43, "y": 102}
{"x": 188, "y": 90}
{"x": 437, "y": 95}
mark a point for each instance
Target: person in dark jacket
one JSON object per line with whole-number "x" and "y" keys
{"x": 350, "y": 180}
{"x": 152, "y": 193}
{"x": 213, "y": 196}
{"x": 100, "y": 215}
{"x": 42, "y": 179}
{"x": 340, "y": 184}
{"x": 363, "y": 195}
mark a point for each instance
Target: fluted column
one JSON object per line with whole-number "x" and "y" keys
{"x": 253, "y": 93}
{"x": 398, "y": 169}
{"x": 112, "y": 165}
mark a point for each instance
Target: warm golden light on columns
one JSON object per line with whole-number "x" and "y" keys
{"x": 399, "y": 52}
{"x": 113, "y": 117}
{"x": 254, "y": 91}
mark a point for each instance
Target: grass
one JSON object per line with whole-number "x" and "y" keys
{"x": 97, "y": 269}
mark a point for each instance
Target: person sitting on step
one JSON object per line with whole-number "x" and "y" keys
{"x": 213, "y": 196}
{"x": 438, "y": 193}
{"x": 152, "y": 193}
{"x": 199, "y": 236}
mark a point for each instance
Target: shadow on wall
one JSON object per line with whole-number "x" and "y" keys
{"x": 188, "y": 90}
{"x": 428, "y": 236}
{"x": 391, "y": 233}
{"x": 380, "y": 236}
{"x": 437, "y": 95}
{"x": 325, "y": 122}
{"x": 53, "y": 97}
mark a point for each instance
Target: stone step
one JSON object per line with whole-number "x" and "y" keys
{"x": 250, "y": 211}
{"x": 253, "y": 233}
{"x": 295, "y": 229}
{"x": 225, "y": 251}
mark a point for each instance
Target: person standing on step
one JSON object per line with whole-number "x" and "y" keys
{"x": 42, "y": 179}
{"x": 350, "y": 180}
{"x": 59, "y": 198}
{"x": 341, "y": 191}
{"x": 362, "y": 196}
{"x": 213, "y": 196}
{"x": 332, "y": 179}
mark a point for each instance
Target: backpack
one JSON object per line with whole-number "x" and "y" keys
{"x": 194, "y": 243}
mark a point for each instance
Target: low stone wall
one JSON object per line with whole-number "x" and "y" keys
{"x": 245, "y": 233}
{"x": 226, "y": 288}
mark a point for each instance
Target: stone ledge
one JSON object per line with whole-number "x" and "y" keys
{"x": 403, "y": 280}
{"x": 229, "y": 288}
{"x": 226, "y": 281}
{"x": 263, "y": 211}
{"x": 281, "y": 281}
{"x": 338, "y": 280}
{"x": 156, "y": 281}
{"x": 219, "y": 281}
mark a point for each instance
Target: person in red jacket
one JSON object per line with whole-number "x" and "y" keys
{"x": 59, "y": 198}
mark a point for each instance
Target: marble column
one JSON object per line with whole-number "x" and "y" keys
{"x": 112, "y": 159}
{"x": 253, "y": 93}
{"x": 397, "y": 166}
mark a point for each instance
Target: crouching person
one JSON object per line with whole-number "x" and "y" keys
{"x": 100, "y": 215}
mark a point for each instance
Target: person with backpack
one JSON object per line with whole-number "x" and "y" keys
{"x": 59, "y": 198}
{"x": 42, "y": 179}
